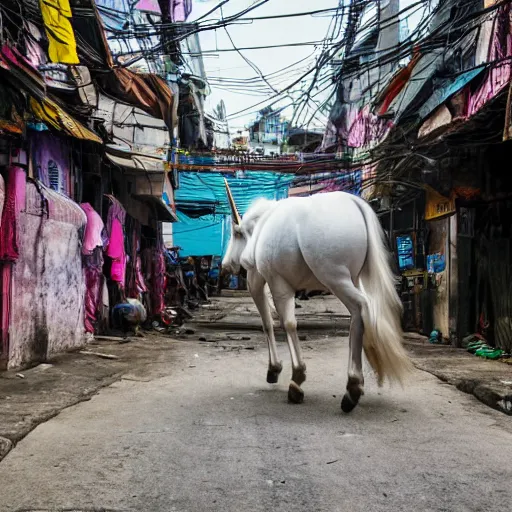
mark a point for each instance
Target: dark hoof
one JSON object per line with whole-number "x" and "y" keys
{"x": 299, "y": 375}
{"x": 347, "y": 405}
{"x": 272, "y": 377}
{"x": 273, "y": 373}
{"x": 295, "y": 394}
{"x": 352, "y": 396}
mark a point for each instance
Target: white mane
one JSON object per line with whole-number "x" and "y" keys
{"x": 254, "y": 213}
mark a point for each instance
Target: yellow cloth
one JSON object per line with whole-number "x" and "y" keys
{"x": 50, "y": 113}
{"x": 56, "y": 16}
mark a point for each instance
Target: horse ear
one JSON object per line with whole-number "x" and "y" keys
{"x": 234, "y": 211}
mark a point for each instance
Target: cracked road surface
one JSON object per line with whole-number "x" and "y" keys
{"x": 213, "y": 436}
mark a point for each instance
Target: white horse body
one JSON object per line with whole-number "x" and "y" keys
{"x": 331, "y": 242}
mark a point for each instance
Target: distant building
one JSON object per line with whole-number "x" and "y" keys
{"x": 268, "y": 132}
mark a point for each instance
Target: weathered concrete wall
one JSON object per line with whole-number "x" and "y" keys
{"x": 48, "y": 286}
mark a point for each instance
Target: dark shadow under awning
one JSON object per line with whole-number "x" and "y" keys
{"x": 164, "y": 212}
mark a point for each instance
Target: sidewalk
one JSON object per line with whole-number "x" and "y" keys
{"x": 30, "y": 397}
{"x": 489, "y": 381}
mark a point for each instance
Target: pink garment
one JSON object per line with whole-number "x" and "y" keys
{"x": 139, "y": 278}
{"x": 15, "y": 198}
{"x": 115, "y": 250}
{"x": 118, "y": 270}
{"x": 33, "y": 38}
{"x": 5, "y": 308}
{"x": 93, "y": 230}
{"x": 93, "y": 265}
{"x": 2, "y": 197}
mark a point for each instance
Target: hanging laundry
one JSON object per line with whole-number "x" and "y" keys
{"x": 93, "y": 266}
{"x": 139, "y": 278}
{"x": 56, "y": 17}
{"x": 14, "y": 203}
{"x": 95, "y": 234}
{"x": 116, "y": 249}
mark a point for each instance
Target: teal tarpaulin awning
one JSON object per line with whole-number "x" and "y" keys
{"x": 203, "y": 236}
{"x": 206, "y": 192}
{"x": 203, "y": 209}
{"x": 446, "y": 89}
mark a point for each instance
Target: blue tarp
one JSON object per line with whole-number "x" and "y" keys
{"x": 447, "y": 88}
{"x": 207, "y": 190}
{"x": 207, "y": 235}
{"x": 203, "y": 208}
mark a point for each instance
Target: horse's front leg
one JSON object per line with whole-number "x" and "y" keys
{"x": 256, "y": 285}
{"x": 284, "y": 299}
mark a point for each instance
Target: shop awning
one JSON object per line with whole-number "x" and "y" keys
{"x": 145, "y": 91}
{"x": 164, "y": 212}
{"x": 135, "y": 161}
{"x": 448, "y": 88}
{"x": 50, "y": 113}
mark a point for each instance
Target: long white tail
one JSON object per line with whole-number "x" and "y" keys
{"x": 382, "y": 341}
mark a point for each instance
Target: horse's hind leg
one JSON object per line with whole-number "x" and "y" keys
{"x": 284, "y": 299}
{"x": 343, "y": 287}
{"x": 256, "y": 285}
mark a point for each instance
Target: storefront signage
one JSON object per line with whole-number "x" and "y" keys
{"x": 438, "y": 206}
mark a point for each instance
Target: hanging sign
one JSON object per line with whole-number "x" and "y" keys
{"x": 438, "y": 206}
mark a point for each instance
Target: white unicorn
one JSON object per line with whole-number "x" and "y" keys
{"x": 331, "y": 242}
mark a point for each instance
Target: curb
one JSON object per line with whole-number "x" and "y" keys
{"x": 6, "y": 445}
{"x": 482, "y": 391}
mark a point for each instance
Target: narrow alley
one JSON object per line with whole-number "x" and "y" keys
{"x": 189, "y": 189}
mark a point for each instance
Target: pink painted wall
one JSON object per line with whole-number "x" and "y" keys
{"x": 48, "y": 287}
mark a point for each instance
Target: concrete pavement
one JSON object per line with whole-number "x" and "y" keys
{"x": 206, "y": 433}
{"x": 489, "y": 381}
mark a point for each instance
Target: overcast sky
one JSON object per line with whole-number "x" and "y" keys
{"x": 260, "y": 33}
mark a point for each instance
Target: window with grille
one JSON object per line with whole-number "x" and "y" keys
{"x": 55, "y": 177}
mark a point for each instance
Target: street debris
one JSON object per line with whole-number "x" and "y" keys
{"x": 332, "y": 461}
{"x": 98, "y": 354}
{"x": 232, "y": 337}
{"x": 109, "y": 338}
{"x": 20, "y": 375}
